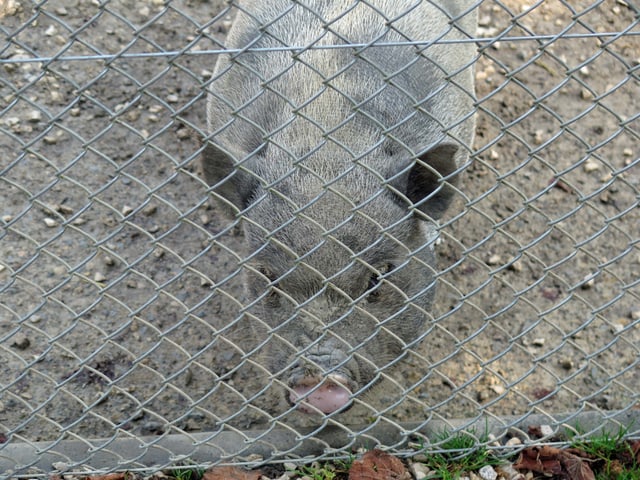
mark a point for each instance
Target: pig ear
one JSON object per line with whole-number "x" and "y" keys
{"x": 430, "y": 180}
{"x": 235, "y": 186}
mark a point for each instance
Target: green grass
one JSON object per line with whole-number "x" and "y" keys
{"x": 612, "y": 455}
{"x": 186, "y": 473}
{"x": 460, "y": 453}
{"x": 325, "y": 471}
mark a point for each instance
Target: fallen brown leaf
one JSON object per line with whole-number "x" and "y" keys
{"x": 552, "y": 461}
{"x": 111, "y": 476}
{"x": 378, "y": 465}
{"x": 230, "y": 473}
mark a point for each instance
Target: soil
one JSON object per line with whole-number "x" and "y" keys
{"x": 119, "y": 279}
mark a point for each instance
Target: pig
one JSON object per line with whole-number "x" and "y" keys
{"x": 336, "y": 133}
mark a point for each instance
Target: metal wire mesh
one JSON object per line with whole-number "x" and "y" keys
{"x": 123, "y": 316}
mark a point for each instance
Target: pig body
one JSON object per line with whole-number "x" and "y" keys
{"x": 339, "y": 160}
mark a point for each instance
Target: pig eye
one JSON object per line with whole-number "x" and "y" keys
{"x": 374, "y": 281}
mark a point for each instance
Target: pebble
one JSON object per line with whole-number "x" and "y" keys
{"x": 7, "y": 218}
{"x": 99, "y": 277}
{"x": 50, "y": 222}
{"x": 126, "y": 210}
{"x": 516, "y": 266}
{"x": 109, "y": 261}
{"x": 150, "y": 210}
{"x": 586, "y": 94}
{"x": 20, "y": 341}
{"x": 173, "y": 98}
{"x": 588, "y": 282}
{"x": 34, "y": 116}
{"x": 488, "y": 473}
{"x": 635, "y": 315}
{"x": 566, "y": 363}
{"x": 50, "y": 31}
{"x": 513, "y": 442}
{"x": 546, "y": 430}
{"x": 183, "y": 133}
{"x": 494, "y": 260}
{"x": 60, "y": 466}
{"x": 61, "y": 11}
{"x": 538, "y": 137}
{"x": 538, "y": 342}
{"x": 591, "y": 166}
{"x": 420, "y": 470}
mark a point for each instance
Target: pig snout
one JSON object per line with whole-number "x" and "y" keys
{"x": 321, "y": 395}
{"x": 313, "y": 391}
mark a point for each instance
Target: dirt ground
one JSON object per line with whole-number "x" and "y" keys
{"x": 119, "y": 280}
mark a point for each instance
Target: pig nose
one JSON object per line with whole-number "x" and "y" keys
{"x": 315, "y": 395}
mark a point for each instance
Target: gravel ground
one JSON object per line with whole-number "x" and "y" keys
{"x": 110, "y": 250}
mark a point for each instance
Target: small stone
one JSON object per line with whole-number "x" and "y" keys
{"x": 2, "y": 268}
{"x": 150, "y": 210}
{"x": 516, "y": 266}
{"x": 584, "y": 71}
{"x": 34, "y": 116}
{"x": 204, "y": 219}
{"x": 494, "y": 260}
{"x": 126, "y": 210}
{"x": 60, "y": 466}
{"x": 627, "y": 152}
{"x": 635, "y": 315}
{"x": 109, "y": 261}
{"x": 155, "y": 108}
{"x": 588, "y": 281}
{"x": 7, "y": 218}
{"x": 154, "y": 119}
{"x": 566, "y": 363}
{"x": 99, "y": 277}
{"x": 183, "y": 133}
{"x": 488, "y": 473}
{"x": 50, "y": 222}
{"x": 50, "y": 140}
{"x": 145, "y": 11}
{"x": 420, "y": 470}
{"x": 546, "y": 430}
{"x": 74, "y": 112}
{"x": 538, "y": 137}
{"x": 79, "y": 221}
{"x": 20, "y": 341}
{"x": 591, "y": 166}
{"x": 61, "y": 11}
{"x": 173, "y": 98}
{"x": 586, "y": 94}
{"x": 498, "y": 389}
{"x": 619, "y": 326}
{"x": 493, "y": 155}
{"x": 538, "y": 342}
{"x": 513, "y": 441}
{"x": 65, "y": 210}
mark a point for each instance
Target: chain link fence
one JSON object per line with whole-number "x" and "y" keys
{"x": 127, "y": 338}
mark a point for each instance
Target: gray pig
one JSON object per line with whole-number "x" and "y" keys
{"x": 336, "y": 131}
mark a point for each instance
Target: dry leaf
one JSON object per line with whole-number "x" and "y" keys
{"x": 230, "y": 473}
{"x": 378, "y": 465}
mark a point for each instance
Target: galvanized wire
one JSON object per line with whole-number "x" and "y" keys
{"x": 126, "y": 338}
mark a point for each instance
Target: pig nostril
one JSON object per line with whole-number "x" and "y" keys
{"x": 328, "y": 396}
